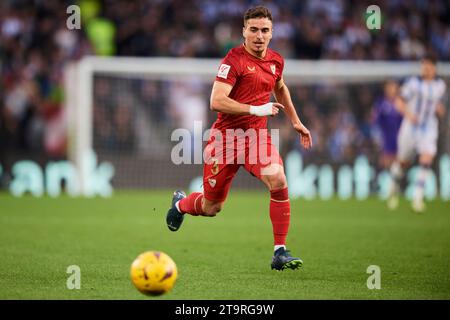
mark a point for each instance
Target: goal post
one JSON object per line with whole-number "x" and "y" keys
{"x": 127, "y": 78}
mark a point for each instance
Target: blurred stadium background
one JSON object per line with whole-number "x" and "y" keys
{"x": 137, "y": 70}
{"x": 133, "y": 113}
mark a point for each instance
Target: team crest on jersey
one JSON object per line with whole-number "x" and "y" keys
{"x": 273, "y": 68}
{"x": 223, "y": 70}
{"x": 212, "y": 182}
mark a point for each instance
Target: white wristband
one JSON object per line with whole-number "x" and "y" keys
{"x": 261, "y": 111}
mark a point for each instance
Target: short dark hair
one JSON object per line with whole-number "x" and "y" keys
{"x": 430, "y": 58}
{"x": 257, "y": 12}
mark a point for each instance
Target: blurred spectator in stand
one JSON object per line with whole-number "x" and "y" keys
{"x": 100, "y": 30}
{"x": 35, "y": 45}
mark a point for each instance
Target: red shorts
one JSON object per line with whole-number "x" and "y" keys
{"x": 222, "y": 161}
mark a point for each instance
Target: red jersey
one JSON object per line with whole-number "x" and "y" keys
{"x": 253, "y": 80}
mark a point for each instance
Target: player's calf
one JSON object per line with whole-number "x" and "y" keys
{"x": 197, "y": 205}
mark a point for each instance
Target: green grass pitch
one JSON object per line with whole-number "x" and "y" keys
{"x": 226, "y": 257}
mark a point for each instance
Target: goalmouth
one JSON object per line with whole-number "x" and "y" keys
{"x": 79, "y": 86}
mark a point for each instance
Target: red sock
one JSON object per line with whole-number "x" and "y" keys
{"x": 280, "y": 214}
{"x": 192, "y": 204}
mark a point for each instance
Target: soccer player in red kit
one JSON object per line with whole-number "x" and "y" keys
{"x": 246, "y": 79}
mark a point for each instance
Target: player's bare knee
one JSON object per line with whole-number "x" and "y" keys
{"x": 426, "y": 160}
{"x": 273, "y": 176}
{"x": 212, "y": 210}
{"x": 279, "y": 184}
{"x": 278, "y": 181}
{"x": 404, "y": 164}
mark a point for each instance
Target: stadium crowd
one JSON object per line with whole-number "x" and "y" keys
{"x": 35, "y": 44}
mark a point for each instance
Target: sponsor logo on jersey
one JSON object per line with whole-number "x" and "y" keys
{"x": 251, "y": 68}
{"x": 223, "y": 71}
{"x": 273, "y": 68}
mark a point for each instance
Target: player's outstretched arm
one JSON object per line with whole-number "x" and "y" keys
{"x": 283, "y": 96}
{"x": 400, "y": 105}
{"x": 221, "y": 102}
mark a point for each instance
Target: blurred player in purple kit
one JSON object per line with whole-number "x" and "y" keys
{"x": 388, "y": 120}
